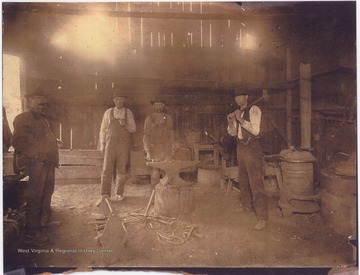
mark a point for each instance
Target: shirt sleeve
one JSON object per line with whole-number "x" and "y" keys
{"x": 103, "y": 128}
{"x": 130, "y": 123}
{"x": 253, "y": 126}
{"x": 171, "y": 128}
{"x": 146, "y": 141}
{"x": 232, "y": 125}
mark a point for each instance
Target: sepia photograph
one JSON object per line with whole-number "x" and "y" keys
{"x": 199, "y": 137}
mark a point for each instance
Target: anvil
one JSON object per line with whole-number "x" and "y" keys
{"x": 172, "y": 169}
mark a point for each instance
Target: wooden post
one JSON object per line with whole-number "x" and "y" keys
{"x": 288, "y": 99}
{"x": 305, "y": 105}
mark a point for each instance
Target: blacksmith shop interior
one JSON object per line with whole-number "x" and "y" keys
{"x": 293, "y": 63}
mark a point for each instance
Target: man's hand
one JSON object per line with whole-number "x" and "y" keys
{"x": 60, "y": 143}
{"x": 238, "y": 114}
{"x": 231, "y": 116}
{"x": 102, "y": 149}
{"x": 148, "y": 157}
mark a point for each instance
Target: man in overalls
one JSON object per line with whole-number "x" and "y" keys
{"x": 114, "y": 140}
{"x": 158, "y": 138}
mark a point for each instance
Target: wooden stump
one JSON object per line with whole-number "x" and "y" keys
{"x": 172, "y": 201}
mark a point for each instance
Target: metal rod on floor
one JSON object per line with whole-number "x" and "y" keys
{"x": 149, "y": 203}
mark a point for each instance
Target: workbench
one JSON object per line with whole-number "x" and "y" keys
{"x": 199, "y": 149}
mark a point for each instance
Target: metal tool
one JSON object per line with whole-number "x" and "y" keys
{"x": 114, "y": 234}
{"x": 265, "y": 96}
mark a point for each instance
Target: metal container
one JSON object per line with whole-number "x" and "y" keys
{"x": 297, "y": 171}
{"x": 338, "y": 201}
{"x": 297, "y": 194}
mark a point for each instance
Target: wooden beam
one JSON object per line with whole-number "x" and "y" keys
{"x": 158, "y": 15}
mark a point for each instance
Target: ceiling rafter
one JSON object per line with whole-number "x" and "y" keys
{"x": 240, "y": 15}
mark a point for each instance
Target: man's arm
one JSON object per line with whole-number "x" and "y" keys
{"x": 170, "y": 124}
{"x": 21, "y": 138}
{"x": 253, "y": 126}
{"x": 130, "y": 124}
{"x": 103, "y": 129}
{"x": 146, "y": 138}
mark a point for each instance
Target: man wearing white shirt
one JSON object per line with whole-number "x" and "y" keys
{"x": 114, "y": 140}
{"x": 244, "y": 124}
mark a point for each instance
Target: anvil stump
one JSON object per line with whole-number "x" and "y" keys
{"x": 173, "y": 195}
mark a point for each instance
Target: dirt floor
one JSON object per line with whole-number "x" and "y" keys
{"x": 220, "y": 236}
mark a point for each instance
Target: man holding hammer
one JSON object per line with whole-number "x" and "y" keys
{"x": 244, "y": 124}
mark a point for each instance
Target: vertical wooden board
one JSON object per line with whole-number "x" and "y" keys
{"x": 172, "y": 201}
{"x": 158, "y": 200}
{"x": 167, "y": 201}
{"x": 186, "y": 200}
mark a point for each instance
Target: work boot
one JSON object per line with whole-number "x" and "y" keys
{"x": 36, "y": 239}
{"x": 260, "y": 225}
{"x": 242, "y": 209}
{"x": 117, "y": 198}
{"x": 45, "y": 221}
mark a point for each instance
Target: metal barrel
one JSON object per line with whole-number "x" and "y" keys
{"x": 298, "y": 177}
{"x": 297, "y": 171}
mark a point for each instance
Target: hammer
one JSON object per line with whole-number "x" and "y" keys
{"x": 265, "y": 96}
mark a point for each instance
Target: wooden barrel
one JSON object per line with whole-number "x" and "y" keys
{"x": 172, "y": 201}
{"x": 338, "y": 202}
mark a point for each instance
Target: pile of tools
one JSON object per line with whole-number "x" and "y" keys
{"x": 113, "y": 229}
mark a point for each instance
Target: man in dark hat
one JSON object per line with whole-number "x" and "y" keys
{"x": 158, "y": 137}
{"x": 244, "y": 124}
{"x": 114, "y": 140}
{"x": 36, "y": 156}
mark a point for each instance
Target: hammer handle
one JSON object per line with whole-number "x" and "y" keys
{"x": 109, "y": 205}
{"x": 149, "y": 203}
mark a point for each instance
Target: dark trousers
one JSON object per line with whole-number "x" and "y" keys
{"x": 115, "y": 157}
{"x": 250, "y": 175}
{"x": 40, "y": 189}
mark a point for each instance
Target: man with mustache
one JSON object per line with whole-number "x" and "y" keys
{"x": 114, "y": 139}
{"x": 36, "y": 156}
{"x": 244, "y": 124}
{"x": 158, "y": 138}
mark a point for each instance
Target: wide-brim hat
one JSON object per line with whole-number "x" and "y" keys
{"x": 36, "y": 92}
{"x": 118, "y": 93}
{"x": 240, "y": 91}
{"x": 157, "y": 99}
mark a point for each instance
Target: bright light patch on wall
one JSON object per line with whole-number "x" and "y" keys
{"x": 249, "y": 42}
{"x": 11, "y": 87}
{"x": 91, "y": 37}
